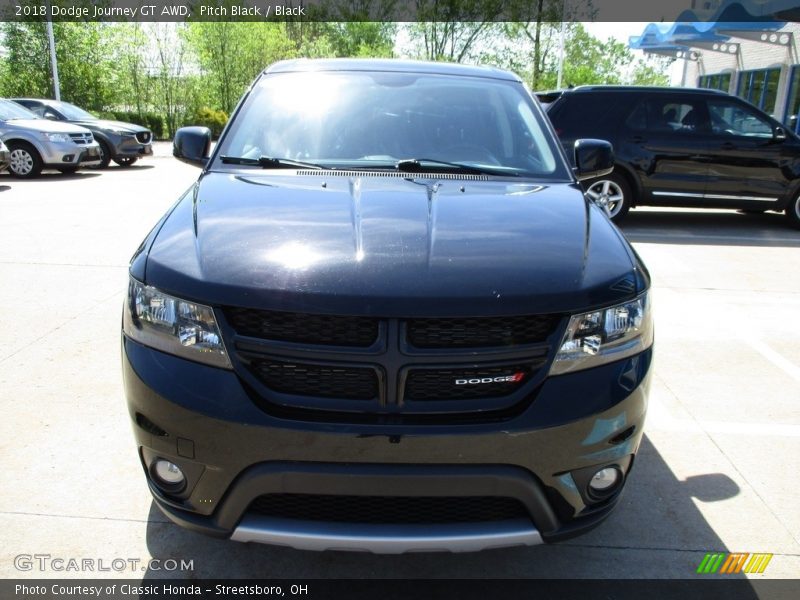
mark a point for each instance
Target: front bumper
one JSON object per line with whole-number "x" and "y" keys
{"x": 65, "y": 154}
{"x": 127, "y": 146}
{"x": 203, "y": 420}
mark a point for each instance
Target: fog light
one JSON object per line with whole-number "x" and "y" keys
{"x": 68, "y": 158}
{"x": 168, "y": 474}
{"x": 604, "y": 480}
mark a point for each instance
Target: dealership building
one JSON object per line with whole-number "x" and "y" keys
{"x": 748, "y": 48}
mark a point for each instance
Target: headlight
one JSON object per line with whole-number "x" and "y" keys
{"x": 57, "y": 137}
{"x": 173, "y": 325}
{"x": 606, "y": 335}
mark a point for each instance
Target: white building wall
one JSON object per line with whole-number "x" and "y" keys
{"x": 752, "y": 55}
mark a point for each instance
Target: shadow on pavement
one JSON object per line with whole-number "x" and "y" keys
{"x": 49, "y": 176}
{"x": 717, "y": 228}
{"x": 655, "y": 532}
{"x": 136, "y": 167}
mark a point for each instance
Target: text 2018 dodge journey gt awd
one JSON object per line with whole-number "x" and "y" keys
{"x": 386, "y": 318}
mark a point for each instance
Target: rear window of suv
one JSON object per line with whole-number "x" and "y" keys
{"x": 581, "y": 113}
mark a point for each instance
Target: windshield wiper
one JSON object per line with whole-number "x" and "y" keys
{"x": 268, "y": 162}
{"x": 424, "y": 165}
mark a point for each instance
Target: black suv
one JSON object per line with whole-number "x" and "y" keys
{"x": 682, "y": 147}
{"x": 387, "y": 318}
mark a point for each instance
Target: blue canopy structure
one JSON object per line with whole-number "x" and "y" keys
{"x": 690, "y": 29}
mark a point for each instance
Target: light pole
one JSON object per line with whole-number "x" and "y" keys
{"x": 561, "y": 44}
{"x": 53, "y": 63}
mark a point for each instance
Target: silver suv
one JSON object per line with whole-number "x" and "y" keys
{"x": 35, "y": 143}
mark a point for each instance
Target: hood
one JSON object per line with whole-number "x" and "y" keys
{"x": 391, "y": 246}
{"x": 45, "y": 125}
{"x": 107, "y": 125}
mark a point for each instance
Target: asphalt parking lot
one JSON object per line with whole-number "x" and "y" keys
{"x": 717, "y": 472}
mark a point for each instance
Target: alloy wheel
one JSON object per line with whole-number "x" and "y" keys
{"x": 608, "y": 195}
{"x": 21, "y": 161}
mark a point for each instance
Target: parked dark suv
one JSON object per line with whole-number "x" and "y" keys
{"x": 386, "y": 318}
{"x": 682, "y": 147}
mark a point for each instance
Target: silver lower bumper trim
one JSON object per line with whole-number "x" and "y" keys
{"x": 386, "y": 539}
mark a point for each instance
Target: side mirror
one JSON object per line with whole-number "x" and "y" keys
{"x": 51, "y": 116}
{"x": 593, "y": 158}
{"x": 192, "y": 145}
{"x": 778, "y": 134}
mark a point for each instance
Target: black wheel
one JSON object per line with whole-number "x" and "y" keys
{"x": 613, "y": 193}
{"x": 25, "y": 161}
{"x": 125, "y": 161}
{"x": 68, "y": 170}
{"x": 105, "y": 154}
{"x": 793, "y": 212}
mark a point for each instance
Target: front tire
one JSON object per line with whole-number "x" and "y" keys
{"x": 105, "y": 154}
{"x": 125, "y": 161}
{"x": 613, "y": 193}
{"x": 793, "y": 212}
{"x": 25, "y": 162}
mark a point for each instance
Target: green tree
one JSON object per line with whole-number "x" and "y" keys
{"x": 449, "y": 30}
{"x": 587, "y": 60}
{"x": 361, "y": 38}
{"x": 170, "y": 72}
{"x": 230, "y": 54}
{"x": 131, "y": 55}
{"x": 82, "y": 51}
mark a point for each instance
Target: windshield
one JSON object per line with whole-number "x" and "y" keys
{"x": 11, "y": 110}
{"x": 72, "y": 112}
{"x": 374, "y": 120}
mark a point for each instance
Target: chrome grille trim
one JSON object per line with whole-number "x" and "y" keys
{"x": 81, "y": 138}
{"x": 386, "y": 539}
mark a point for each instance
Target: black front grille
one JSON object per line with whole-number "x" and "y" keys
{"x": 463, "y": 384}
{"x": 299, "y": 379}
{"x": 326, "y": 330}
{"x": 389, "y": 509}
{"x": 477, "y": 332}
{"x": 143, "y": 137}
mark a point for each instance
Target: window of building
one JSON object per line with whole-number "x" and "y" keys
{"x": 760, "y": 87}
{"x": 719, "y": 81}
{"x": 790, "y": 118}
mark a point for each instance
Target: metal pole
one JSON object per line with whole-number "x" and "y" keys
{"x": 53, "y": 63}
{"x": 561, "y": 44}
{"x": 685, "y": 68}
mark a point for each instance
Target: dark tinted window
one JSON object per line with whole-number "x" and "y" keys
{"x": 34, "y": 107}
{"x": 730, "y": 117}
{"x": 584, "y": 114}
{"x": 668, "y": 113}
{"x": 637, "y": 120}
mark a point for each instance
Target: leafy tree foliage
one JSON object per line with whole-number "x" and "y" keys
{"x": 86, "y": 72}
{"x": 168, "y": 74}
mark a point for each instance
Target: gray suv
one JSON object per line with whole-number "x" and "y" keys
{"x": 36, "y": 143}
